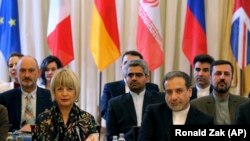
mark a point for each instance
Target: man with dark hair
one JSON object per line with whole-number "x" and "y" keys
{"x": 117, "y": 88}
{"x": 202, "y": 76}
{"x": 176, "y": 110}
{"x": 126, "y": 110}
{"x": 220, "y": 104}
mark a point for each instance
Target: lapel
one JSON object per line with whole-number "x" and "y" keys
{"x": 147, "y": 100}
{"x": 210, "y": 105}
{"x": 167, "y": 119}
{"x": 39, "y": 98}
{"x": 233, "y": 104}
{"x": 129, "y": 106}
{"x": 18, "y": 104}
{"x": 167, "y": 116}
{"x": 194, "y": 92}
{"x": 191, "y": 116}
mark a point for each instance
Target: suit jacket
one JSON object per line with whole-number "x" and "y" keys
{"x": 117, "y": 88}
{"x": 4, "y": 123}
{"x": 194, "y": 92}
{"x": 12, "y": 100}
{"x": 121, "y": 114}
{"x": 206, "y": 104}
{"x": 158, "y": 119}
{"x": 243, "y": 113}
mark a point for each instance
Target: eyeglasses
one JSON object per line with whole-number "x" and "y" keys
{"x": 135, "y": 74}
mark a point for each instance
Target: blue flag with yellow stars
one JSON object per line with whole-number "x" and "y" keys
{"x": 9, "y": 28}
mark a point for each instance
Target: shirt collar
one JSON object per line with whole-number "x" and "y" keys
{"x": 33, "y": 93}
{"x": 141, "y": 94}
{"x": 205, "y": 89}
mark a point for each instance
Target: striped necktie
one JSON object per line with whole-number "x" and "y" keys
{"x": 29, "y": 116}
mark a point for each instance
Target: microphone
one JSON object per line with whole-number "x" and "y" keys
{"x": 78, "y": 133}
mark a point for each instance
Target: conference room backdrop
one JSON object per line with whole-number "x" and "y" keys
{"x": 33, "y": 17}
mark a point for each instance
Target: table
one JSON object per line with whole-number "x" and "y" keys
{"x": 21, "y": 136}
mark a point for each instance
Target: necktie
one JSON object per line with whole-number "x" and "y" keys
{"x": 29, "y": 117}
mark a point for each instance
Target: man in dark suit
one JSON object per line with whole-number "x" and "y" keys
{"x": 243, "y": 113}
{"x": 117, "y": 88}
{"x": 15, "y": 100}
{"x": 126, "y": 110}
{"x": 202, "y": 76}
{"x": 176, "y": 110}
{"x": 221, "y": 104}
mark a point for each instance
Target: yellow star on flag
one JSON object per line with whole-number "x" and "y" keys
{"x": 1, "y": 20}
{"x": 12, "y": 22}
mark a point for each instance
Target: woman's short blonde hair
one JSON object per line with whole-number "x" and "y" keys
{"x": 64, "y": 77}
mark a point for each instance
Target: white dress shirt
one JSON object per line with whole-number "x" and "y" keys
{"x": 179, "y": 118}
{"x": 203, "y": 92}
{"x": 138, "y": 103}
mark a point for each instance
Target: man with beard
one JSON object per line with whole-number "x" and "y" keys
{"x": 126, "y": 110}
{"x": 222, "y": 105}
{"x": 176, "y": 110}
{"x": 202, "y": 76}
{"x": 27, "y": 101}
{"x": 116, "y": 88}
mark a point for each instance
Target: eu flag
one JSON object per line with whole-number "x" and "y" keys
{"x": 9, "y": 28}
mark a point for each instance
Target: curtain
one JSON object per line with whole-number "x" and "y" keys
{"x": 33, "y": 16}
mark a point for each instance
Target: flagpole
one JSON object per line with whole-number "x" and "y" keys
{"x": 191, "y": 72}
{"x": 99, "y": 117}
{"x": 241, "y": 82}
{"x": 150, "y": 76}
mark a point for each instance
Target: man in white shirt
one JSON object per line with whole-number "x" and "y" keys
{"x": 176, "y": 110}
{"x": 221, "y": 103}
{"x": 202, "y": 76}
{"x": 116, "y": 88}
{"x": 126, "y": 110}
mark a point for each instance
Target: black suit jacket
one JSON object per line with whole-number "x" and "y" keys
{"x": 158, "y": 119}
{"x": 121, "y": 114}
{"x": 243, "y": 113}
{"x": 117, "y": 88}
{"x": 12, "y": 100}
{"x": 194, "y": 92}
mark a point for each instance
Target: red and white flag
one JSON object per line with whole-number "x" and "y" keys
{"x": 240, "y": 34}
{"x": 59, "y": 34}
{"x": 149, "y": 34}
